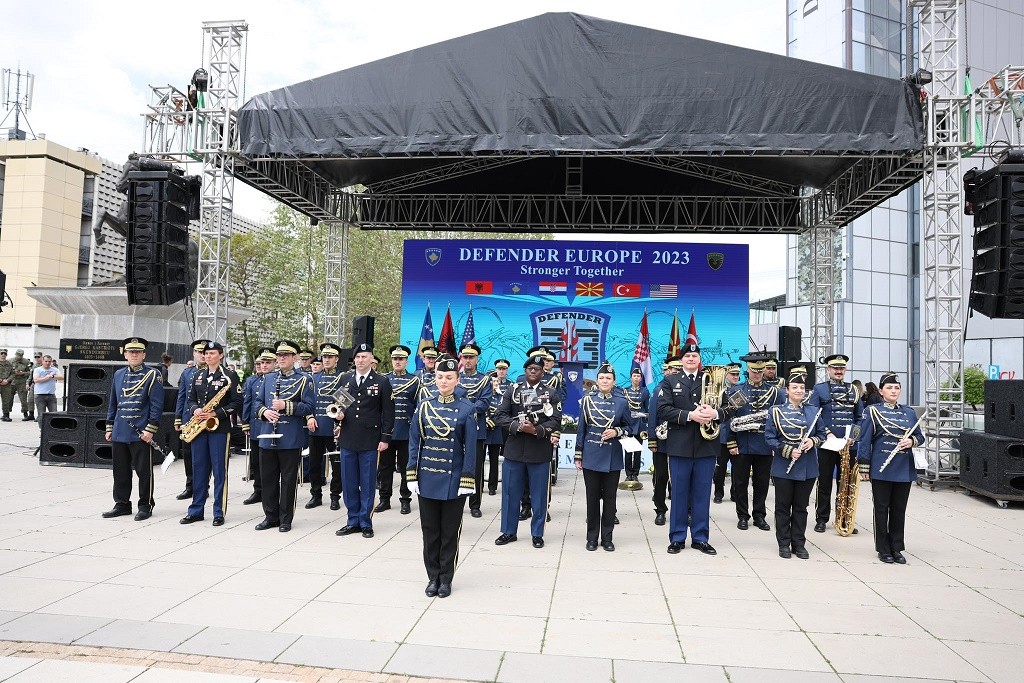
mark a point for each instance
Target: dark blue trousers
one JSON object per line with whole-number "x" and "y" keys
{"x": 691, "y": 497}
{"x": 515, "y": 477}
{"x": 359, "y": 472}
{"x": 210, "y": 454}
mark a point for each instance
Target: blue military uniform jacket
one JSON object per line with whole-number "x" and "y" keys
{"x": 599, "y": 412}
{"x": 184, "y": 385}
{"x": 296, "y": 390}
{"x": 405, "y": 389}
{"x": 883, "y": 427}
{"x": 496, "y": 435}
{"x": 760, "y": 397}
{"x": 477, "y": 388}
{"x": 786, "y": 430}
{"x": 840, "y": 405}
{"x": 250, "y": 389}
{"x": 653, "y": 443}
{"x": 205, "y": 386}
{"x": 637, "y": 400}
{"x": 136, "y": 398}
{"x": 523, "y": 447}
{"x": 442, "y": 447}
{"x": 678, "y": 396}
{"x": 325, "y": 383}
{"x": 371, "y": 419}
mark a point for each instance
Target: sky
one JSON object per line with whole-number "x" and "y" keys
{"x": 94, "y": 61}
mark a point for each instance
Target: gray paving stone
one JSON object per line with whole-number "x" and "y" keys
{"x": 629, "y": 671}
{"x": 739, "y": 674}
{"x": 446, "y": 662}
{"x": 140, "y": 635}
{"x": 237, "y": 643}
{"x": 50, "y": 628}
{"x": 12, "y": 665}
{"x": 10, "y": 616}
{"x": 523, "y": 667}
{"x": 339, "y": 653}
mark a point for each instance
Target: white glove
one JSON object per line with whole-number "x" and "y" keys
{"x": 466, "y": 492}
{"x": 414, "y": 488}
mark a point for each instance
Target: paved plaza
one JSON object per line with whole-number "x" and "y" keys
{"x": 84, "y": 598}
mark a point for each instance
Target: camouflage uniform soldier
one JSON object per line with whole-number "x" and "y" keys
{"x": 6, "y": 385}
{"x": 22, "y": 371}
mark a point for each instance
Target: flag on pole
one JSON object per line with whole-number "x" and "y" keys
{"x": 468, "y": 334}
{"x": 426, "y": 338}
{"x": 691, "y": 335}
{"x": 642, "y": 355}
{"x": 675, "y": 346}
{"x": 446, "y": 344}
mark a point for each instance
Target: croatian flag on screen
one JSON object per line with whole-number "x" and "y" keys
{"x": 553, "y": 287}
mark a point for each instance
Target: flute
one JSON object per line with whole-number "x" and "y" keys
{"x": 896, "y": 449}
{"x": 809, "y": 431}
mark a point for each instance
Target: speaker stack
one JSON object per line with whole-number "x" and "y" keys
{"x": 156, "y": 253}
{"x": 992, "y": 463}
{"x": 997, "y": 282}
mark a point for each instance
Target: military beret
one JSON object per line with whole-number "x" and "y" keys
{"x": 836, "y": 360}
{"x": 447, "y": 365}
{"x": 502, "y": 363}
{"x": 469, "y": 350}
{"x": 363, "y": 348}
{"x": 888, "y": 378}
{"x": 690, "y": 348}
{"x": 400, "y": 351}
{"x": 130, "y": 344}
{"x": 212, "y": 346}
{"x": 534, "y": 360}
{"x": 286, "y": 346}
{"x": 376, "y": 358}
{"x": 329, "y": 349}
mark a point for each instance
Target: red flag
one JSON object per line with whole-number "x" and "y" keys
{"x": 642, "y": 354}
{"x": 446, "y": 344}
{"x": 621, "y": 289}
{"x": 479, "y": 287}
{"x": 691, "y": 335}
{"x": 675, "y": 346}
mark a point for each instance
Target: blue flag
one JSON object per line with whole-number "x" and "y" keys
{"x": 469, "y": 331}
{"x": 426, "y": 338}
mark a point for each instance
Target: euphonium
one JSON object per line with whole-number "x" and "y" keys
{"x": 713, "y": 387}
{"x": 846, "y": 494}
{"x": 196, "y": 426}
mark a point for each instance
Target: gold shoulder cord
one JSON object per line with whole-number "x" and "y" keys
{"x": 780, "y": 417}
{"x": 888, "y": 426}
{"x": 595, "y": 416}
{"x": 431, "y": 417}
{"x": 401, "y": 388}
{"x": 475, "y": 391}
{"x": 296, "y": 384}
{"x": 128, "y": 392}
{"x": 766, "y": 399}
{"x": 328, "y": 389}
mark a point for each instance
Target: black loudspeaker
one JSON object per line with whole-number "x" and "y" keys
{"x": 789, "y": 343}
{"x": 170, "y": 399}
{"x": 92, "y": 378}
{"x": 1004, "y": 407}
{"x": 99, "y": 455}
{"x": 997, "y": 282}
{"x": 167, "y": 437}
{"x": 62, "y": 439}
{"x": 88, "y": 402}
{"x": 362, "y": 330}
{"x": 786, "y": 366}
{"x": 345, "y": 360}
{"x": 157, "y": 249}
{"x": 992, "y": 465}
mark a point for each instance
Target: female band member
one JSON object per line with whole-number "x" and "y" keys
{"x": 637, "y": 398}
{"x": 792, "y": 432}
{"x": 888, "y": 434}
{"x": 604, "y": 417}
{"x": 442, "y": 470}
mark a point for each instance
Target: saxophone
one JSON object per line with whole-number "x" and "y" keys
{"x": 196, "y": 426}
{"x": 846, "y": 494}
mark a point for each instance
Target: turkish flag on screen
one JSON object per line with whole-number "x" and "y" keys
{"x": 619, "y": 289}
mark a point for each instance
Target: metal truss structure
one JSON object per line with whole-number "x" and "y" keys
{"x": 997, "y": 105}
{"x": 336, "y": 297}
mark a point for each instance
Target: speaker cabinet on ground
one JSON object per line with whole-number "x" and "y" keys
{"x": 789, "y": 343}
{"x": 1004, "y": 407}
{"x": 170, "y": 398}
{"x": 992, "y": 465}
{"x": 88, "y": 402}
{"x": 99, "y": 455}
{"x": 86, "y": 377}
{"x": 62, "y": 439}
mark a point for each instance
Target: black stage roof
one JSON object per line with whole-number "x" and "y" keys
{"x": 569, "y": 121}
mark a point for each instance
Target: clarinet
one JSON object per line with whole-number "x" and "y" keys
{"x": 139, "y": 433}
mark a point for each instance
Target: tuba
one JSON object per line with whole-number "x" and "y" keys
{"x": 712, "y": 390}
{"x": 846, "y": 494}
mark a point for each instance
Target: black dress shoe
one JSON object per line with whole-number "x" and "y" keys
{"x": 382, "y": 506}
{"x": 591, "y": 545}
{"x": 743, "y": 524}
{"x": 704, "y": 548}
{"x": 548, "y": 518}
{"x": 314, "y": 502}
{"x": 609, "y": 546}
{"x": 431, "y": 590}
{"x": 284, "y": 528}
{"x": 475, "y": 512}
{"x": 674, "y": 548}
{"x": 820, "y": 527}
{"x": 406, "y": 507}
{"x": 538, "y": 542}
{"x": 184, "y": 495}
{"x": 525, "y": 514}
{"x": 265, "y": 524}
{"x": 717, "y": 499}
{"x": 335, "y": 505}
{"x": 505, "y": 539}
{"x": 347, "y": 529}
{"x": 367, "y": 532}
{"x": 143, "y": 513}
{"x": 886, "y": 557}
{"x": 785, "y": 553}
{"x": 444, "y": 590}
{"x": 897, "y": 556}
{"x": 492, "y": 492}
{"x": 253, "y": 498}
{"x": 191, "y": 519}
{"x": 801, "y": 553}
{"x": 762, "y": 525}
{"x": 218, "y": 521}
{"x": 616, "y": 519}
{"x": 659, "y": 519}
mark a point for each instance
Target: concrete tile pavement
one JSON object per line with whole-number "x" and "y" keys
{"x": 310, "y": 599}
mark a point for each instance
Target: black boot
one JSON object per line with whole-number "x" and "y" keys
{"x": 6, "y": 417}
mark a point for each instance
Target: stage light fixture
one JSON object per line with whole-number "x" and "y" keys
{"x": 201, "y": 79}
{"x": 921, "y": 77}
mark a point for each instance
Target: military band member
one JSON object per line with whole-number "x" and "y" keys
{"x": 748, "y": 447}
{"x": 637, "y": 398}
{"x": 889, "y": 432}
{"x": 210, "y": 449}
{"x": 792, "y": 433}
{"x": 691, "y": 457}
{"x": 604, "y": 419}
{"x": 524, "y": 414}
{"x": 251, "y": 425}
{"x": 133, "y": 418}
{"x": 426, "y": 373}
{"x": 496, "y": 436}
{"x": 478, "y": 390}
{"x": 321, "y": 430}
{"x": 284, "y": 402}
{"x": 305, "y": 362}
{"x": 841, "y": 413}
{"x": 442, "y": 462}
{"x": 181, "y": 414}
{"x": 6, "y": 386}
{"x": 317, "y": 365}
{"x": 672, "y": 366}
{"x": 405, "y": 388}
{"x": 732, "y": 378}
{"x": 366, "y": 429}
{"x": 771, "y": 369}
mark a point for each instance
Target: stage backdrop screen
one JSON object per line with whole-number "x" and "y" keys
{"x": 584, "y": 300}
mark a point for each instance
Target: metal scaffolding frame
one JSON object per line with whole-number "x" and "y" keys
{"x": 336, "y": 298}
{"x": 823, "y": 287}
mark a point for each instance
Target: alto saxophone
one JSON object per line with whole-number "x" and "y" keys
{"x": 846, "y": 494}
{"x": 196, "y": 426}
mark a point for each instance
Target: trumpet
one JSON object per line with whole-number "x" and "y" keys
{"x": 342, "y": 400}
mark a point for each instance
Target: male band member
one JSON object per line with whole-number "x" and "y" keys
{"x": 478, "y": 390}
{"x": 45, "y": 380}
{"x": 181, "y": 414}
{"x": 305, "y": 362}
{"x": 317, "y": 365}
{"x": 841, "y": 413}
{"x": 496, "y": 436}
{"x": 253, "y": 426}
{"x": 426, "y": 373}
{"x": 672, "y": 366}
{"x": 732, "y": 378}
{"x": 374, "y": 363}
{"x": 691, "y": 457}
{"x": 133, "y": 417}
{"x": 321, "y": 436}
{"x": 22, "y": 372}
{"x": 747, "y": 445}
{"x": 6, "y": 387}
{"x": 366, "y": 428}
{"x": 442, "y": 457}
{"x": 405, "y": 387}
{"x": 524, "y": 413}
{"x": 771, "y": 369}
{"x": 886, "y": 435}
{"x": 284, "y": 402}
{"x": 210, "y": 450}
{"x": 637, "y": 398}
